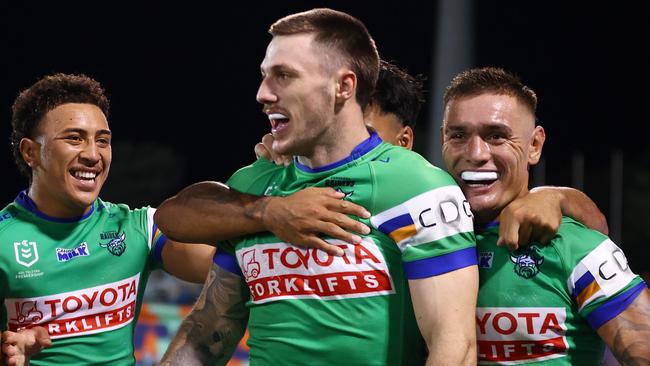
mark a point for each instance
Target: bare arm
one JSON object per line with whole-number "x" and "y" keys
{"x": 445, "y": 308}
{"x": 538, "y": 215}
{"x": 628, "y": 334}
{"x": 208, "y": 212}
{"x": 211, "y": 331}
{"x": 189, "y": 262}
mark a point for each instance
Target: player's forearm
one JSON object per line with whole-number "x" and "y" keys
{"x": 207, "y": 212}
{"x": 628, "y": 334}
{"x": 578, "y": 205}
{"x": 211, "y": 331}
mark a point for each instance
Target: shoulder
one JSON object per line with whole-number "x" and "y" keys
{"x": 400, "y": 175}
{"x": 245, "y": 177}
{"x": 8, "y": 216}
{"x": 574, "y": 240}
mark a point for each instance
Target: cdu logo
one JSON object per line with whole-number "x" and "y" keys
{"x": 26, "y": 253}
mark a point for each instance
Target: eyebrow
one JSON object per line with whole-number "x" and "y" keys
{"x": 84, "y": 132}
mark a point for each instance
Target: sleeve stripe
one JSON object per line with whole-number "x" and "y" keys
{"x": 227, "y": 262}
{"x": 612, "y": 308}
{"x": 159, "y": 240}
{"x": 434, "y": 266}
{"x": 586, "y": 287}
{"x": 396, "y": 223}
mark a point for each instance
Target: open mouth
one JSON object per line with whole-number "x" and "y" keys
{"x": 278, "y": 122}
{"x": 479, "y": 178}
{"x": 84, "y": 176}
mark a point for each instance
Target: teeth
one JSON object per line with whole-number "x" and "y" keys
{"x": 274, "y": 116}
{"x": 85, "y": 175}
{"x": 478, "y": 176}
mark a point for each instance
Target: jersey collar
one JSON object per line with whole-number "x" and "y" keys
{"x": 363, "y": 148}
{"x": 28, "y": 204}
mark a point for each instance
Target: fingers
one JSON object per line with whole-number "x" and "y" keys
{"x": 318, "y": 243}
{"x": 509, "y": 235}
{"x": 262, "y": 152}
{"x": 42, "y": 337}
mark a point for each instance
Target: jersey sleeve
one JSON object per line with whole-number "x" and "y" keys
{"x": 156, "y": 240}
{"x": 600, "y": 281}
{"x": 427, "y": 216}
{"x": 254, "y": 179}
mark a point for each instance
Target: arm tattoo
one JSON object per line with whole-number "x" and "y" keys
{"x": 211, "y": 331}
{"x": 631, "y": 333}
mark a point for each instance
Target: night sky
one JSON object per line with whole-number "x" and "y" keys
{"x": 182, "y": 79}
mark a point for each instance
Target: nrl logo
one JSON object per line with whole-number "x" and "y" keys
{"x": 527, "y": 261}
{"x": 116, "y": 246}
{"x": 26, "y": 253}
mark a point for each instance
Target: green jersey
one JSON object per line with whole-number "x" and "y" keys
{"x": 307, "y": 307}
{"x": 82, "y": 279}
{"x": 542, "y": 304}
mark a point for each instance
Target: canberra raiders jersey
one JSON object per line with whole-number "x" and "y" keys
{"x": 81, "y": 279}
{"x": 542, "y": 304}
{"x": 307, "y": 307}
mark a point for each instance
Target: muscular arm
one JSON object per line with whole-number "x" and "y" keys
{"x": 537, "y": 215}
{"x": 628, "y": 334}
{"x": 208, "y": 212}
{"x": 189, "y": 262}
{"x": 445, "y": 307}
{"x": 211, "y": 331}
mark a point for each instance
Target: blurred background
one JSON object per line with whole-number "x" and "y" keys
{"x": 182, "y": 78}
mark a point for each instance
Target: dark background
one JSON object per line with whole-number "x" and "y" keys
{"x": 182, "y": 79}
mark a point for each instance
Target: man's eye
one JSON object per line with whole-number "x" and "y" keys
{"x": 75, "y": 138}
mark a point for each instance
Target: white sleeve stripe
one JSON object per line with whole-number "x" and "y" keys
{"x": 150, "y": 223}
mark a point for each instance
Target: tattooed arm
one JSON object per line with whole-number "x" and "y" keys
{"x": 628, "y": 334}
{"x": 207, "y": 212}
{"x": 211, "y": 331}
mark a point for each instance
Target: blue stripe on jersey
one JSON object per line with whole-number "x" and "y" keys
{"x": 434, "y": 266}
{"x": 158, "y": 244}
{"x": 27, "y": 203}
{"x": 396, "y": 223}
{"x": 227, "y": 261}
{"x": 360, "y": 150}
{"x": 582, "y": 283}
{"x": 615, "y": 306}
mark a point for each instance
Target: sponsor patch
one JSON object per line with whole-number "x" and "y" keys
{"x": 520, "y": 335}
{"x": 430, "y": 216}
{"x": 64, "y": 255}
{"x": 601, "y": 273}
{"x": 87, "y": 311}
{"x": 281, "y": 271}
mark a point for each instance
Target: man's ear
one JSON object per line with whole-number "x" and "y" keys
{"x": 30, "y": 151}
{"x": 346, "y": 85}
{"x": 536, "y": 145}
{"x": 405, "y": 138}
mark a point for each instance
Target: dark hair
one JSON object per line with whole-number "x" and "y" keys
{"x": 348, "y": 38}
{"x": 399, "y": 93}
{"x": 33, "y": 103}
{"x": 490, "y": 79}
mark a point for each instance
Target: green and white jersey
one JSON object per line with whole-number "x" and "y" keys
{"x": 82, "y": 279}
{"x": 307, "y": 307}
{"x": 542, "y": 304}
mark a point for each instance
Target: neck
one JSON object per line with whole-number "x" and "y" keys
{"x": 346, "y": 131}
{"x": 48, "y": 204}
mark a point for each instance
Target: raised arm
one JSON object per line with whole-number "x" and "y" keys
{"x": 207, "y": 212}
{"x": 537, "y": 215}
{"x": 628, "y": 334}
{"x": 445, "y": 308}
{"x": 211, "y": 331}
